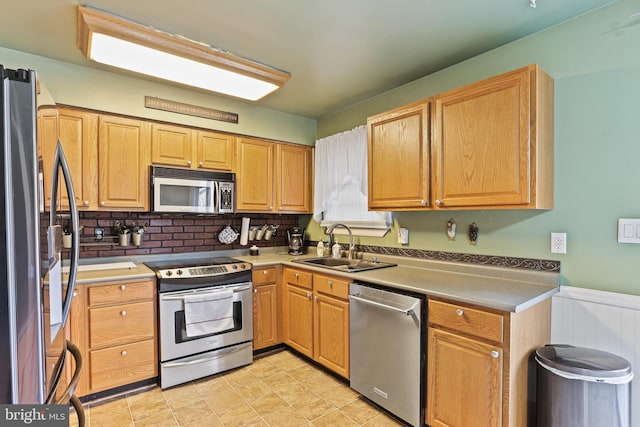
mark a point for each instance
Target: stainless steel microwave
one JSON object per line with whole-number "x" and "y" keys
{"x": 192, "y": 191}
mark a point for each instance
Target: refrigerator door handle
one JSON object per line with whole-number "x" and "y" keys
{"x": 60, "y": 162}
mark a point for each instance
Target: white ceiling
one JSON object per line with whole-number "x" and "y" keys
{"x": 339, "y": 52}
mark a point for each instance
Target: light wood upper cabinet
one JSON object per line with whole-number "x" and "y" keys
{"x": 171, "y": 145}
{"x": 255, "y": 175}
{"x": 493, "y": 143}
{"x": 293, "y": 178}
{"x": 273, "y": 177}
{"x": 215, "y": 150}
{"x": 487, "y": 145}
{"x": 123, "y": 158}
{"x": 189, "y": 148}
{"x": 77, "y": 132}
{"x": 398, "y": 156}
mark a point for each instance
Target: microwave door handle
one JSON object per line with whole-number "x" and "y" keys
{"x": 60, "y": 162}
{"x": 216, "y": 197}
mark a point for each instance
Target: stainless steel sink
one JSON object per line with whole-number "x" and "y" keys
{"x": 343, "y": 264}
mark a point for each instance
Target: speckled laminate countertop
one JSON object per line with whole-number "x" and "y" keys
{"x": 502, "y": 288}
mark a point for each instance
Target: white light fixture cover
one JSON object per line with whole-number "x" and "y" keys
{"x": 114, "y": 41}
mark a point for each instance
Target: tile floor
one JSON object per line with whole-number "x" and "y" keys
{"x": 281, "y": 389}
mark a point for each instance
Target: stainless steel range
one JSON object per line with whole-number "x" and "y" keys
{"x": 205, "y": 315}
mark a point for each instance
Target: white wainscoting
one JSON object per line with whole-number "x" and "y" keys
{"x": 602, "y": 320}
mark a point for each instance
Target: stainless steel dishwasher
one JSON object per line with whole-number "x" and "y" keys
{"x": 388, "y": 349}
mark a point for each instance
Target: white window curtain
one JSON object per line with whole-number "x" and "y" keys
{"x": 340, "y": 184}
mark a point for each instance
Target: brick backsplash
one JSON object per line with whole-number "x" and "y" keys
{"x": 170, "y": 233}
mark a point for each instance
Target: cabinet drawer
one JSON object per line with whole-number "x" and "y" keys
{"x": 120, "y": 292}
{"x": 468, "y": 320}
{"x": 120, "y": 365}
{"x": 331, "y": 286}
{"x": 298, "y": 277}
{"x": 121, "y": 324}
{"x": 264, "y": 275}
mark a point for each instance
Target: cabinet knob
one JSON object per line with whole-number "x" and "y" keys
{"x": 123, "y": 313}
{"x": 124, "y": 353}
{"x": 86, "y": 203}
{"x": 315, "y": 297}
{"x": 200, "y": 164}
{"x": 459, "y": 312}
{"x": 297, "y": 275}
{"x": 330, "y": 283}
{"x": 103, "y": 203}
{"x": 423, "y": 202}
{"x": 264, "y": 272}
{"x": 188, "y": 162}
{"x": 123, "y": 288}
{"x": 495, "y": 354}
{"x": 75, "y": 294}
{"x": 438, "y": 202}
{"x": 270, "y": 208}
{"x": 308, "y": 294}
{"x": 255, "y": 291}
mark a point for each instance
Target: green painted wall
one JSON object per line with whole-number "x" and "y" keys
{"x": 595, "y": 62}
{"x": 90, "y": 88}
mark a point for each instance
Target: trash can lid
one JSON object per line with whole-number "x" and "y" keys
{"x": 584, "y": 363}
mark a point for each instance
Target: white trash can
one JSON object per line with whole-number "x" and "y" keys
{"x": 582, "y": 387}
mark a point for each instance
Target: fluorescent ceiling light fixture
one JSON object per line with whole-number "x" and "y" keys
{"x": 114, "y": 41}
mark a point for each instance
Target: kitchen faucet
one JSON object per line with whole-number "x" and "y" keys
{"x": 329, "y": 232}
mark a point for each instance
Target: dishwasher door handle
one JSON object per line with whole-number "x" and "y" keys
{"x": 406, "y": 311}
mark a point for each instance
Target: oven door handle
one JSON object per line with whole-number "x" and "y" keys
{"x": 221, "y": 353}
{"x": 174, "y": 296}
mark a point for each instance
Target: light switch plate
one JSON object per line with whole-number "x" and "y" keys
{"x": 629, "y": 230}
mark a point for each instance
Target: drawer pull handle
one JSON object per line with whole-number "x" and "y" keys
{"x": 123, "y": 287}
{"x": 330, "y": 283}
{"x": 123, "y": 313}
{"x": 459, "y": 312}
{"x": 124, "y": 353}
{"x": 495, "y": 354}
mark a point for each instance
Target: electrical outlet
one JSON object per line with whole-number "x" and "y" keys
{"x": 98, "y": 233}
{"x": 559, "y": 243}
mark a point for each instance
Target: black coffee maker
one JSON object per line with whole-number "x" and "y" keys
{"x": 296, "y": 241}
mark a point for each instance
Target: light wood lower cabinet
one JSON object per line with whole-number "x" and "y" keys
{"x": 114, "y": 325}
{"x": 477, "y": 363}
{"x": 316, "y": 317}
{"x": 266, "y": 307}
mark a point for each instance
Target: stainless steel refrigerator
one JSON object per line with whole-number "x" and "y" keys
{"x": 35, "y": 357}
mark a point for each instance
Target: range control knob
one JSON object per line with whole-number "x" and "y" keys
{"x": 234, "y": 266}
{"x": 169, "y": 273}
{"x": 179, "y": 272}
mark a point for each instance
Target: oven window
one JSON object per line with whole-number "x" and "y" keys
{"x": 181, "y": 331}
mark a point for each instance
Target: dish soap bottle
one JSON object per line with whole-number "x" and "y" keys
{"x": 335, "y": 250}
{"x": 320, "y": 249}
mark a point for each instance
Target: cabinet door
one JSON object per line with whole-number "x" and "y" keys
{"x": 331, "y": 333}
{"x": 77, "y": 132}
{"x": 215, "y": 151}
{"x": 123, "y": 159}
{"x": 298, "y": 319}
{"x": 482, "y": 143}
{"x": 293, "y": 182}
{"x": 255, "y": 176}
{"x": 464, "y": 381}
{"x": 171, "y": 145}
{"x": 398, "y": 155}
{"x": 265, "y": 316}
